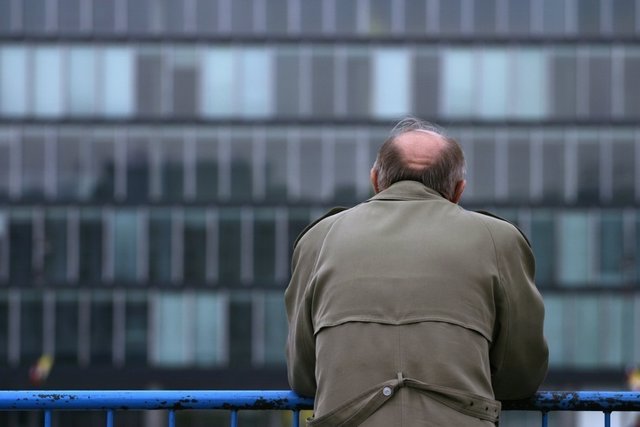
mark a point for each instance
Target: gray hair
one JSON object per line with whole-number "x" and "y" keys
{"x": 441, "y": 176}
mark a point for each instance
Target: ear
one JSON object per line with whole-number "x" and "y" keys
{"x": 457, "y": 192}
{"x": 373, "y": 176}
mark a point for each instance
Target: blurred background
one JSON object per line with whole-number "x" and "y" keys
{"x": 159, "y": 157}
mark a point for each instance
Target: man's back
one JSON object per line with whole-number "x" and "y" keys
{"x": 418, "y": 311}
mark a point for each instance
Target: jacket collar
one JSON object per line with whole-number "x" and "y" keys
{"x": 408, "y": 190}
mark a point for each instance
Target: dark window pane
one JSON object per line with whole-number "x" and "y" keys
{"x": 518, "y": 150}
{"x": 322, "y": 86}
{"x": 311, "y": 166}
{"x": 623, "y": 168}
{"x": 31, "y": 326}
{"x": 195, "y": 246}
{"x": 138, "y": 16}
{"x": 277, "y": 166}
{"x": 5, "y": 168}
{"x": 5, "y": 17}
{"x": 600, "y": 86}
{"x": 275, "y": 329}
{"x": 631, "y": 91}
{"x": 207, "y": 168}
{"x": 553, "y": 175}
{"x": 450, "y": 16}
{"x": 358, "y": 83}
{"x": 185, "y": 78}
{"x": 543, "y": 244}
{"x": 485, "y": 16}
{"x": 172, "y": 177}
{"x": 427, "y": 83}
{"x": 311, "y": 16}
{"x": 623, "y": 14}
{"x": 589, "y": 16}
{"x": 137, "y": 168}
{"x": 149, "y": 82}
{"x": 68, "y": 15}
{"x": 380, "y": 16}
{"x": 415, "y": 14}
{"x": 287, "y": 82}
{"x": 241, "y": 167}
{"x": 346, "y": 17}
{"x": 240, "y": 320}
{"x": 66, "y": 328}
{"x": 104, "y": 16}
{"x": 588, "y": 170}
{"x": 33, "y": 166}
{"x": 101, "y": 329}
{"x": 207, "y": 16}
{"x": 345, "y": 176}
{"x": 611, "y": 247}
{"x": 563, "y": 75}
{"x": 136, "y": 315}
{"x": 91, "y": 246}
{"x": 70, "y": 168}
{"x": 519, "y": 16}
{"x": 264, "y": 247}
{"x": 20, "y": 247}
{"x": 277, "y": 13}
{"x": 125, "y": 242}
{"x": 4, "y": 327}
{"x": 101, "y": 173}
{"x": 484, "y": 158}
{"x": 554, "y": 16}
{"x": 34, "y": 15}
{"x": 55, "y": 245}
{"x": 160, "y": 245}
{"x": 173, "y": 15}
{"x": 242, "y": 16}
{"x": 229, "y": 247}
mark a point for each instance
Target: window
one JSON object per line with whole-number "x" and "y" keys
{"x": 485, "y": 15}
{"x": 287, "y": 81}
{"x": 450, "y": 16}
{"x": 240, "y": 329}
{"x": 346, "y": 16}
{"x": 69, "y": 15}
{"x": 91, "y": 242}
{"x": 47, "y": 87}
{"x": 311, "y": 150}
{"x": 34, "y": 16}
{"x": 149, "y": 83}
{"x": 66, "y": 328}
{"x": 13, "y": 81}
{"x": 241, "y": 166}
{"x": 612, "y": 256}
{"x": 311, "y": 16}
{"x": 209, "y": 328}
{"x": 531, "y": 84}
{"x": 588, "y": 151}
{"x": 574, "y": 246}
{"x": 600, "y": 87}
{"x": 218, "y": 89}
{"x": 623, "y": 15}
{"x": 426, "y": 83}
{"x": 138, "y": 165}
{"x": 184, "y": 82}
{"x": 118, "y": 84}
{"x": 358, "y": 84}
{"x": 55, "y": 245}
{"x": 138, "y": 16}
{"x": 207, "y": 172}
{"x": 171, "y": 152}
{"x": 170, "y": 15}
{"x": 484, "y": 167}
{"x": 255, "y": 83}
{"x": 136, "y": 328}
{"x": 125, "y": 238}
{"x": 195, "y": 246}
{"x": 520, "y": 16}
{"x": 298, "y": 219}
{"x": 277, "y": 13}
{"x": 101, "y": 173}
{"x": 564, "y": 83}
{"x": 518, "y": 148}
{"x": 20, "y": 246}
{"x": 6, "y": 165}
{"x": 553, "y": 166}
{"x": 493, "y": 76}
{"x": 4, "y": 246}
{"x": 4, "y": 327}
{"x": 31, "y": 326}
{"x": 277, "y": 166}
{"x": 104, "y": 13}
{"x": 555, "y": 329}
{"x": 70, "y": 168}
{"x": 543, "y": 234}
{"x": 345, "y": 175}
{"x": 323, "y": 82}
{"x": 275, "y": 323}
{"x": 623, "y": 168}
{"x": 554, "y": 16}
{"x": 101, "y": 327}
{"x": 264, "y": 246}
{"x": 229, "y": 247}
{"x": 380, "y": 13}
{"x": 33, "y": 165}
{"x": 81, "y": 81}
{"x": 631, "y": 91}
{"x": 457, "y": 88}
{"x": 585, "y": 331}
{"x": 589, "y": 16}
{"x": 160, "y": 245}
{"x": 390, "y": 83}
{"x": 171, "y": 321}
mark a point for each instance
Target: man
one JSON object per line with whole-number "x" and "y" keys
{"x": 408, "y": 310}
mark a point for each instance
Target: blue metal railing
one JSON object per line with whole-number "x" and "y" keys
{"x": 234, "y": 401}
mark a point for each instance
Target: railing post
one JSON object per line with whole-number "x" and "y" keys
{"x": 607, "y": 419}
{"x": 545, "y": 419}
{"x": 110, "y": 418}
{"x": 234, "y": 418}
{"x": 296, "y": 418}
{"x": 47, "y": 418}
{"x": 172, "y": 418}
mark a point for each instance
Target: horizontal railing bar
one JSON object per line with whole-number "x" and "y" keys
{"x": 545, "y": 401}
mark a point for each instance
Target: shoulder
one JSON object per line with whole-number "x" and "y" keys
{"x": 320, "y": 224}
{"x": 500, "y": 227}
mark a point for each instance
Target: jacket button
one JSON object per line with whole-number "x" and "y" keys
{"x": 386, "y": 391}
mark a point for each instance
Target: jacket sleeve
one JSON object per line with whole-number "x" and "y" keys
{"x": 300, "y": 349}
{"x": 519, "y": 353}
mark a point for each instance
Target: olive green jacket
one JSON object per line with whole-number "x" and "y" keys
{"x": 408, "y": 310}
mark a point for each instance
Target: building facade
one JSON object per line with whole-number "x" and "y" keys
{"x": 159, "y": 157}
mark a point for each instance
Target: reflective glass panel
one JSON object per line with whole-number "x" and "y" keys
{"x": 311, "y": 165}
{"x": 34, "y": 15}
{"x": 450, "y": 16}
{"x": 207, "y": 167}
{"x": 172, "y": 170}
{"x": 311, "y": 17}
{"x": 240, "y": 329}
{"x": 600, "y": 88}
{"x": 275, "y": 329}
{"x": 390, "y": 89}
{"x": 136, "y": 329}
{"x": 4, "y": 326}
{"x": 277, "y": 13}
{"x": 6, "y": 166}
{"x": 101, "y": 320}
{"x": 531, "y": 84}
{"x": 612, "y": 256}
{"x": 574, "y": 242}
{"x": 485, "y": 15}
{"x": 138, "y": 165}
{"x": 484, "y": 167}
{"x": 104, "y": 13}
{"x": 589, "y": 16}
{"x": 256, "y": 84}
{"x": 584, "y": 337}
{"x": 554, "y": 16}
{"x": 33, "y": 165}
{"x": 82, "y": 81}
{"x": 457, "y": 89}
{"x": 31, "y": 326}
{"x": 298, "y": 219}
{"x": 543, "y": 236}
{"x": 172, "y": 317}
{"x": 588, "y": 168}
{"x": 70, "y": 168}
{"x": 346, "y": 17}
{"x": 380, "y": 16}
{"x": 426, "y": 83}
{"x": 519, "y": 167}
{"x": 359, "y": 75}
{"x": 69, "y": 15}
{"x": 100, "y": 175}
{"x": 565, "y": 87}
{"x": 47, "y": 88}
{"x": 623, "y": 168}
{"x": 624, "y": 16}
{"x": 118, "y": 82}
{"x": 138, "y": 16}
{"x": 13, "y": 81}
{"x": 210, "y": 321}
{"x": 66, "y": 328}
{"x": 287, "y": 81}
{"x": 264, "y": 246}
{"x": 519, "y": 14}
{"x": 91, "y": 245}
{"x": 125, "y": 242}
{"x": 553, "y": 167}
{"x": 277, "y": 166}
{"x": 149, "y": 85}
{"x": 631, "y": 89}
{"x": 218, "y": 89}
{"x": 55, "y": 245}
{"x": 415, "y": 16}
{"x": 554, "y": 329}
{"x": 185, "y": 82}
{"x": 195, "y": 246}
{"x": 160, "y": 245}
{"x": 241, "y": 166}
{"x": 346, "y": 170}
{"x": 323, "y": 82}
{"x": 229, "y": 247}
{"x": 493, "y": 84}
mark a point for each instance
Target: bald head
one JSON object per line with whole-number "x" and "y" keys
{"x": 417, "y": 151}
